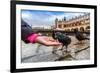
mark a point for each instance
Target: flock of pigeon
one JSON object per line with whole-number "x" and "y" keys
{"x": 66, "y": 40}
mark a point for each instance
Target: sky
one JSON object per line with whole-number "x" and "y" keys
{"x": 45, "y": 18}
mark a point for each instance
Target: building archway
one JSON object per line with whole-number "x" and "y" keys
{"x": 82, "y": 29}
{"x": 72, "y": 29}
{"x": 88, "y": 28}
{"x": 76, "y": 29}
{"x": 68, "y": 29}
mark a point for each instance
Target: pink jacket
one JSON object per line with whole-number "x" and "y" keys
{"x": 32, "y": 38}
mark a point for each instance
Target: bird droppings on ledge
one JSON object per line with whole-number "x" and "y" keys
{"x": 40, "y": 53}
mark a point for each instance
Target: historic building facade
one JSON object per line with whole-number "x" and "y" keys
{"x": 80, "y": 23}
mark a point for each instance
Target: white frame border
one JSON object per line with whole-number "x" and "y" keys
{"x": 20, "y": 65}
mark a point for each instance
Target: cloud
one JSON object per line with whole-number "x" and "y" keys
{"x": 46, "y": 18}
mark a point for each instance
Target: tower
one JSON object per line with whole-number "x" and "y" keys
{"x": 56, "y": 21}
{"x": 64, "y": 18}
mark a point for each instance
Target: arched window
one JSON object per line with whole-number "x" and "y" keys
{"x": 59, "y": 26}
{"x": 72, "y": 25}
{"x": 75, "y": 24}
{"x": 64, "y": 25}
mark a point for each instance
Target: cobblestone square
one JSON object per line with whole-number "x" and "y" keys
{"x": 40, "y": 53}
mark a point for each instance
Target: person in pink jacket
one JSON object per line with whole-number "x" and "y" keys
{"x": 29, "y": 36}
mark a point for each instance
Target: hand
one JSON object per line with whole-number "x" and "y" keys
{"x": 47, "y": 41}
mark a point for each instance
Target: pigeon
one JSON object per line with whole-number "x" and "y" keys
{"x": 62, "y": 38}
{"x": 79, "y": 36}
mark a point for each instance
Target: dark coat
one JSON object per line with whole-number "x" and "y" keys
{"x": 26, "y": 30}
